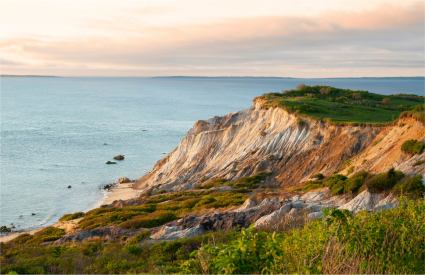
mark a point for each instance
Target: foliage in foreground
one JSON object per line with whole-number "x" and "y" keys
{"x": 391, "y": 241}
{"x": 344, "y": 106}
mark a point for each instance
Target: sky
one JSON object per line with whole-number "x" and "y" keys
{"x": 288, "y": 38}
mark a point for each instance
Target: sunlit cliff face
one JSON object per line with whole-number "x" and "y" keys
{"x": 279, "y": 38}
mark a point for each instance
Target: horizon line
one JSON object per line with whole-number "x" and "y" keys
{"x": 203, "y": 76}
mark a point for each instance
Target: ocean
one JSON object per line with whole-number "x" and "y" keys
{"x": 60, "y": 131}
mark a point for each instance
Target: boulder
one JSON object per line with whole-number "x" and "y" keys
{"x": 108, "y": 233}
{"x": 176, "y": 232}
{"x": 314, "y": 207}
{"x": 249, "y": 203}
{"x": 108, "y": 186}
{"x": 315, "y": 215}
{"x": 315, "y": 196}
{"x": 387, "y": 203}
{"x": 5, "y": 229}
{"x": 119, "y": 157}
{"x": 294, "y": 212}
{"x": 273, "y": 218}
{"x": 363, "y": 201}
{"x": 298, "y": 204}
{"x": 124, "y": 180}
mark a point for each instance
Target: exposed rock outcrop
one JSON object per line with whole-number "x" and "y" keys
{"x": 370, "y": 201}
{"x": 257, "y": 140}
{"x": 385, "y": 150}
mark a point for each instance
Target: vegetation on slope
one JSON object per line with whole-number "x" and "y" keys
{"x": 391, "y": 241}
{"x": 413, "y": 146}
{"x": 159, "y": 209}
{"x": 391, "y": 180}
{"x": 346, "y": 106}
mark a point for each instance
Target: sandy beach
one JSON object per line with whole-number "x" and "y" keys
{"x": 123, "y": 191}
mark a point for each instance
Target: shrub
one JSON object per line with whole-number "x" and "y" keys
{"x": 69, "y": 217}
{"x": 418, "y": 113}
{"x": 150, "y": 220}
{"x": 384, "y": 181}
{"x": 355, "y": 182}
{"x": 140, "y": 236}
{"x": 413, "y": 146}
{"x": 336, "y": 183}
{"x": 49, "y": 234}
{"x": 411, "y": 186}
{"x": 213, "y": 183}
{"x": 250, "y": 182}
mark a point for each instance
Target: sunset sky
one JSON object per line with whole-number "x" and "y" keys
{"x": 300, "y": 38}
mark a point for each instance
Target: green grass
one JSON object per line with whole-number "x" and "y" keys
{"x": 413, "y": 146}
{"x": 343, "y": 106}
{"x": 417, "y": 113}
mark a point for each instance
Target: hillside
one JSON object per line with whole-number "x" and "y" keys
{"x": 245, "y": 192}
{"x": 292, "y": 145}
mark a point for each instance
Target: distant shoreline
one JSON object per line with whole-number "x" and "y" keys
{"x": 29, "y": 75}
{"x": 206, "y": 76}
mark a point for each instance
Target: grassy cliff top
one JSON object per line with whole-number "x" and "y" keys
{"x": 343, "y": 106}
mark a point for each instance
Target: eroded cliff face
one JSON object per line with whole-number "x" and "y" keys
{"x": 385, "y": 150}
{"x": 258, "y": 140}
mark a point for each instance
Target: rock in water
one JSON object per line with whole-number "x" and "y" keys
{"x": 108, "y": 186}
{"x": 110, "y": 162}
{"x": 124, "y": 180}
{"x": 119, "y": 157}
{"x": 69, "y": 186}
{"x": 5, "y": 229}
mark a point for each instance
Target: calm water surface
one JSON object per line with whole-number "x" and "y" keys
{"x": 57, "y": 132}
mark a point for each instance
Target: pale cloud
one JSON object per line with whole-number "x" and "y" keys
{"x": 384, "y": 40}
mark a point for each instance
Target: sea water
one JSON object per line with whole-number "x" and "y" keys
{"x": 60, "y": 131}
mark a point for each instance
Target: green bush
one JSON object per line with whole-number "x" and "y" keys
{"x": 69, "y": 217}
{"x": 250, "y": 182}
{"x": 411, "y": 186}
{"x": 413, "y": 146}
{"x": 417, "y": 113}
{"x": 48, "y": 234}
{"x": 150, "y": 220}
{"x": 384, "y": 181}
{"x": 355, "y": 182}
{"x": 336, "y": 184}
